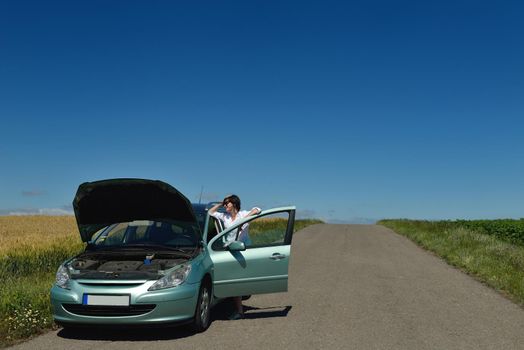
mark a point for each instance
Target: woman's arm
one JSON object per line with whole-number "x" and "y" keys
{"x": 254, "y": 211}
{"x": 214, "y": 208}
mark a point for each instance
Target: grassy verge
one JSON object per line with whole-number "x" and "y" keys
{"x": 31, "y": 250}
{"x": 489, "y": 258}
{"x": 25, "y": 307}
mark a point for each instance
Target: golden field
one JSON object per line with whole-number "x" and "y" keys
{"x": 36, "y": 232}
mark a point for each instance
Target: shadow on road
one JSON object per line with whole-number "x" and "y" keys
{"x": 263, "y": 313}
{"x": 120, "y": 334}
{"x": 250, "y": 312}
{"x": 134, "y": 333}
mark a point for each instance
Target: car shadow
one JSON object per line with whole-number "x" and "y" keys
{"x": 122, "y": 334}
{"x": 220, "y": 312}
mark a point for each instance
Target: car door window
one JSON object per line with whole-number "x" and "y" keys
{"x": 214, "y": 227}
{"x": 268, "y": 230}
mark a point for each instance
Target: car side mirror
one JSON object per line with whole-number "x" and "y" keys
{"x": 236, "y": 246}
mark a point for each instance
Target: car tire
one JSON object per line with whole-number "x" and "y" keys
{"x": 202, "y": 317}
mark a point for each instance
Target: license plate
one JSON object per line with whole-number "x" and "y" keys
{"x": 106, "y": 300}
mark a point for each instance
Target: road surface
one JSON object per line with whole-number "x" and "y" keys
{"x": 350, "y": 287}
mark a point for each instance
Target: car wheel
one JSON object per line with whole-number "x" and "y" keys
{"x": 203, "y": 309}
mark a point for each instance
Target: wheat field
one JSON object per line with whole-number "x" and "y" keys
{"x": 36, "y": 232}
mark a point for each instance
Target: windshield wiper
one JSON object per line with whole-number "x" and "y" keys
{"x": 188, "y": 251}
{"x": 154, "y": 246}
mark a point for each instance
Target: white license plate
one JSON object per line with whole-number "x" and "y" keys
{"x": 107, "y": 300}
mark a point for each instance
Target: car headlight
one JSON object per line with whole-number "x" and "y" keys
{"x": 62, "y": 277}
{"x": 172, "y": 279}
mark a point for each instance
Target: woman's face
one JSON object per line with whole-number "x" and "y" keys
{"x": 228, "y": 206}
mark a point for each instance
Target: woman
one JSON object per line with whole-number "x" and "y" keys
{"x": 229, "y": 218}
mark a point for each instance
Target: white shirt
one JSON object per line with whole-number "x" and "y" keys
{"x": 228, "y": 221}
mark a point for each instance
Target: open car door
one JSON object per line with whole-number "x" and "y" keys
{"x": 262, "y": 267}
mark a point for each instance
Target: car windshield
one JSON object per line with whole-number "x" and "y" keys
{"x": 148, "y": 233}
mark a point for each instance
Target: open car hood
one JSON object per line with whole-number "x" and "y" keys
{"x": 102, "y": 203}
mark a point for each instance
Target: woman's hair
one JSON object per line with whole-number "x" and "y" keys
{"x": 233, "y": 199}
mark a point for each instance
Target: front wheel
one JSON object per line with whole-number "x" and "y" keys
{"x": 203, "y": 309}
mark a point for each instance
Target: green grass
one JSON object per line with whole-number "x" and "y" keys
{"x": 26, "y": 260}
{"x": 506, "y": 229}
{"x": 24, "y": 306}
{"x": 490, "y": 258}
{"x": 27, "y": 275}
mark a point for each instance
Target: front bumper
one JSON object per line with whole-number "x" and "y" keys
{"x": 167, "y": 306}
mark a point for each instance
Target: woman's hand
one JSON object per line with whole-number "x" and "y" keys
{"x": 254, "y": 211}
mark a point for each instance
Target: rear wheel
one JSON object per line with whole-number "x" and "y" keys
{"x": 203, "y": 309}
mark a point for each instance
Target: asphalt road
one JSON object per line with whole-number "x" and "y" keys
{"x": 351, "y": 287}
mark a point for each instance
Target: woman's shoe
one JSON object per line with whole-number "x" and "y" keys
{"x": 236, "y": 316}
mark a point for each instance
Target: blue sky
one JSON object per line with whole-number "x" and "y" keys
{"x": 352, "y": 111}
